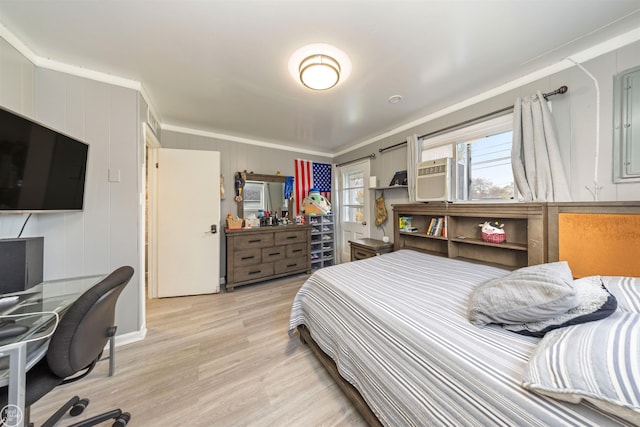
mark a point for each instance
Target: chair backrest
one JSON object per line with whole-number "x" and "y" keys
{"x": 83, "y": 330}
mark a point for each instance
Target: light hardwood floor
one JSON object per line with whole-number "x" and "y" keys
{"x": 215, "y": 360}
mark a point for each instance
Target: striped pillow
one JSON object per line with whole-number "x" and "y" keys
{"x": 598, "y": 362}
{"x": 626, "y": 290}
{"x": 529, "y": 294}
{"x": 596, "y": 303}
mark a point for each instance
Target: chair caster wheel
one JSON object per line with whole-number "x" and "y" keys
{"x": 122, "y": 420}
{"x": 79, "y": 407}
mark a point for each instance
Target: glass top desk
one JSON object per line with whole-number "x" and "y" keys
{"x": 34, "y": 309}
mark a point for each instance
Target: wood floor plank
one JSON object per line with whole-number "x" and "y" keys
{"x": 215, "y": 360}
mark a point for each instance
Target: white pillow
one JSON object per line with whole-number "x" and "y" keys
{"x": 597, "y": 361}
{"x": 529, "y": 294}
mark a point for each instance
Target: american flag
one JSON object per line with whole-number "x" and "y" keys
{"x": 311, "y": 174}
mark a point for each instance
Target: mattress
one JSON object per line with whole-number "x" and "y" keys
{"x": 396, "y": 326}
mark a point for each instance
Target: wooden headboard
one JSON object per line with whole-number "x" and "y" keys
{"x": 596, "y": 238}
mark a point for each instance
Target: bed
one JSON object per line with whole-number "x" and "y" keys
{"x": 394, "y": 332}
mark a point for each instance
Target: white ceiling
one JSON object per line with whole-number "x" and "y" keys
{"x": 221, "y": 66}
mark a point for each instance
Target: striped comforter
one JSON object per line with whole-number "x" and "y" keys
{"x": 396, "y": 326}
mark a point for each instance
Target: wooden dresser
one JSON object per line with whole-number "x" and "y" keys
{"x": 264, "y": 253}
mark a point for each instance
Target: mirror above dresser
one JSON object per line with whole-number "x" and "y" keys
{"x": 264, "y": 192}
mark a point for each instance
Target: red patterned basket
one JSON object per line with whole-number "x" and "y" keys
{"x": 494, "y": 238}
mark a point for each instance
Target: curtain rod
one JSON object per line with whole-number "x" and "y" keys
{"x": 370, "y": 156}
{"x": 561, "y": 90}
{"x": 391, "y": 147}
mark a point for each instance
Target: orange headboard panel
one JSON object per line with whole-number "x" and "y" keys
{"x": 600, "y": 244}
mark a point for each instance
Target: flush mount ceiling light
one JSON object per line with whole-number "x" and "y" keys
{"x": 319, "y": 72}
{"x": 319, "y": 66}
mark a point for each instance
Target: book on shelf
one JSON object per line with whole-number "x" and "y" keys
{"x": 437, "y": 227}
{"x": 405, "y": 223}
{"x": 428, "y": 230}
{"x": 439, "y": 224}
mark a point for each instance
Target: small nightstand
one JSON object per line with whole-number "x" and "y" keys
{"x": 367, "y": 248}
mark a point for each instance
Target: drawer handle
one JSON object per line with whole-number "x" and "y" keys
{"x": 247, "y": 257}
{"x": 274, "y": 253}
{"x": 291, "y": 237}
{"x": 255, "y": 241}
{"x": 362, "y": 254}
{"x": 255, "y": 272}
{"x": 291, "y": 265}
{"x": 297, "y": 250}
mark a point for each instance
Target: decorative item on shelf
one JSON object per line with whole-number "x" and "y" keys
{"x": 233, "y": 223}
{"x": 492, "y": 232}
{"x": 315, "y": 203}
{"x": 399, "y": 178}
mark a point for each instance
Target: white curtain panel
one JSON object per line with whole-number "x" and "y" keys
{"x": 413, "y": 156}
{"x": 535, "y": 157}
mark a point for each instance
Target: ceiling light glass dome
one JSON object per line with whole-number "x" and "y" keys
{"x": 319, "y": 66}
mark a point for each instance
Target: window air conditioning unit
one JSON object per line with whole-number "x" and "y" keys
{"x": 435, "y": 180}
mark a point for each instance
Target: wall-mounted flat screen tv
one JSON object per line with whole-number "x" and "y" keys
{"x": 41, "y": 170}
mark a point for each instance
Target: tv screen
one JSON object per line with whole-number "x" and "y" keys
{"x": 40, "y": 169}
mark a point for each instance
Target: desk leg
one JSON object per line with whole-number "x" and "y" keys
{"x": 13, "y": 413}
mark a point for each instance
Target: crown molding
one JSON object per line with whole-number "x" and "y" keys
{"x": 232, "y": 138}
{"x": 50, "y": 64}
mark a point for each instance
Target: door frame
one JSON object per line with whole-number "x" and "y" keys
{"x": 339, "y": 218}
{"x": 150, "y": 182}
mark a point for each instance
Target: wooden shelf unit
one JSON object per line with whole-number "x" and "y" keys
{"x": 524, "y": 225}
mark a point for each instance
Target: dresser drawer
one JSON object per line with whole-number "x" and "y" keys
{"x": 247, "y": 257}
{"x": 297, "y": 250}
{"x": 262, "y": 240}
{"x": 292, "y": 264}
{"x": 275, "y": 253}
{"x": 251, "y": 272}
{"x": 288, "y": 237}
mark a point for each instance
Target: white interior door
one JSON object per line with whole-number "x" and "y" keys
{"x": 188, "y": 217}
{"x": 354, "y": 205}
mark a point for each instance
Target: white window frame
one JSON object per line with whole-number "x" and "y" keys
{"x": 474, "y": 131}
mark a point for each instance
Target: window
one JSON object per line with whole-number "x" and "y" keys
{"x": 626, "y": 138}
{"x": 482, "y": 155}
{"x": 353, "y": 196}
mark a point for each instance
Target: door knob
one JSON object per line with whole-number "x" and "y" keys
{"x": 364, "y": 222}
{"x": 214, "y": 229}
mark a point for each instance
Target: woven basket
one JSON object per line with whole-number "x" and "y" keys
{"x": 494, "y": 238}
{"x": 234, "y": 224}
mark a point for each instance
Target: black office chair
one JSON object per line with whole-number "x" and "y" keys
{"x": 75, "y": 347}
